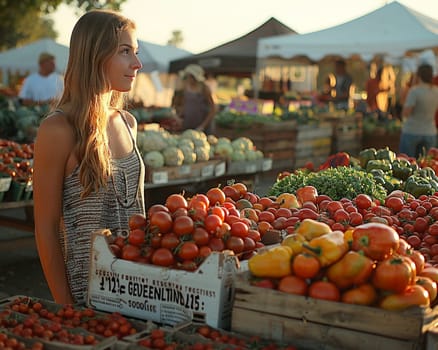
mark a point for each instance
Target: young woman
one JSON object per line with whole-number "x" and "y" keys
{"x": 88, "y": 173}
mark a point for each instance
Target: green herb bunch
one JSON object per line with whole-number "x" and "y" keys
{"x": 337, "y": 183}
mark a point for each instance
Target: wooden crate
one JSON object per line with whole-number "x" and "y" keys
{"x": 276, "y": 140}
{"x": 283, "y": 317}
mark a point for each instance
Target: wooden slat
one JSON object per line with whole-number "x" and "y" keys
{"x": 406, "y": 325}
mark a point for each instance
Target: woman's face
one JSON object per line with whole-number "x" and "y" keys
{"x": 123, "y": 66}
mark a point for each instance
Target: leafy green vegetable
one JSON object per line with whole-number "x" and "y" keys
{"x": 337, "y": 183}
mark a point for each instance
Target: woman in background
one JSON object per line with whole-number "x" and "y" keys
{"x": 88, "y": 173}
{"x": 193, "y": 103}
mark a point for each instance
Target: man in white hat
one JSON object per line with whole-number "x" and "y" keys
{"x": 194, "y": 104}
{"x": 44, "y": 86}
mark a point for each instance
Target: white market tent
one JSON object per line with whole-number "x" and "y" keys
{"x": 152, "y": 85}
{"x": 391, "y": 31}
{"x": 25, "y": 58}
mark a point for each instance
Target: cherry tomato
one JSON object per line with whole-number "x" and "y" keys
{"x": 170, "y": 240}
{"x": 162, "y": 257}
{"x": 293, "y": 285}
{"x": 188, "y": 250}
{"x": 239, "y": 229}
{"x": 137, "y": 221}
{"x": 136, "y": 236}
{"x": 324, "y": 290}
{"x": 161, "y": 221}
{"x": 175, "y": 201}
{"x": 363, "y": 201}
{"x": 200, "y": 236}
{"x": 130, "y": 252}
{"x": 236, "y": 244}
{"x": 183, "y": 225}
{"x": 212, "y": 223}
{"x": 216, "y": 196}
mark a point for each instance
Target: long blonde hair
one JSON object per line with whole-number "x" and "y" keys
{"x": 94, "y": 40}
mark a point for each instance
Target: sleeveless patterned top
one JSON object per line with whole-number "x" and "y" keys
{"x": 110, "y": 208}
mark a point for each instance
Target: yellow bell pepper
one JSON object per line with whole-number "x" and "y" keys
{"x": 287, "y": 200}
{"x": 295, "y": 242}
{"x": 348, "y": 237}
{"x": 328, "y": 248}
{"x": 310, "y": 228}
{"x": 275, "y": 262}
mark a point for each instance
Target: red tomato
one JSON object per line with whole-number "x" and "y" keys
{"x": 216, "y": 196}
{"x": 188, "y": 250}
{"x": 212, "y": 223}
{"x": 333, "y": 206}
{"x": 239, "y": 229}
{"x": 161, "y": 221}
{"x": 421, "y": 224}
{"x": 341, "y": 215}
{"x": 162, "y": 257}
{"x": 355, "y": 219}
{"x": 183, "y": 225}
{"x": 199, "y": 198}
{"x": 363, "y": 201}
{"x": 170, "y": 241}
{"x": 216, "y": 244}
{"x": 394, "y": 274}
{"x": 130, "y": 252}
{"x": 137, "y": 221}
{"x": 231, "y": 192}
{"x": 236, "y": 244}
{"x": 282, "y": 212}
{"x": 293, "y": 285}
{"x": 267, "y": 216}
{"x": 324, "y": 290}
{"x": 136, "y": 237}
{"x": 156, "y": 207}
{"x": 176, "y": 201}
{"x": 201, "y": 236}
{"x": 306, "y": 213}
{"x": 219, "y": 211}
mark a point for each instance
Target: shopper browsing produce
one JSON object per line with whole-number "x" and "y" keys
{"x": 194, "y": 103}
{"x": 88, "y": 173}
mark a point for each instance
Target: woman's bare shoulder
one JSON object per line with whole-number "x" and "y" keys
{"x": 56, "y": 127}
{"x": 130, "y": 119}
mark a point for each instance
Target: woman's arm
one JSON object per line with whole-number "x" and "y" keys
{"x": 211, "y": 111}
{"x": 52, "y": 150}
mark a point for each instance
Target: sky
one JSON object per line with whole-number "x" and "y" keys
{"x": 206, "y": 24}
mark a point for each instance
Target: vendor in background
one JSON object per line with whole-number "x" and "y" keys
{"x": 374, "y": 87}
{"x": 419, "y": 131}
{"x": 44, "y": 86}
{"x": 343, "y": 84}
{"x": 193, "y": 102}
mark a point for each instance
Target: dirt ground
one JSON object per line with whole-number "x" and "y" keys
{"x": 20, "y": 268}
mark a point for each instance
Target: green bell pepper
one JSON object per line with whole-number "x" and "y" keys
{"x": 386, "y": 153}
{"x": 417, "y": 186}
{"x": 365, "y": 155}
{"x": 401, "y": 169}
{"x": 382, "y": 164}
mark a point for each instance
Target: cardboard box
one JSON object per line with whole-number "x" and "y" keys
{"x": 331, "y": 325}
{"x": 163, "y": 295}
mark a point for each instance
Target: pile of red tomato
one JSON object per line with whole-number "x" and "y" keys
{"x": 182, "y": 232}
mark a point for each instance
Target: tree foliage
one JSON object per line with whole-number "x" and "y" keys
{"x": 24, "y": 21}
{"x": 176, "y": 39}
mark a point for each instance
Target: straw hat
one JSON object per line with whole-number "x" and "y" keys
{"x": 194, "y": 70}
{"x": 45, "y": 56}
